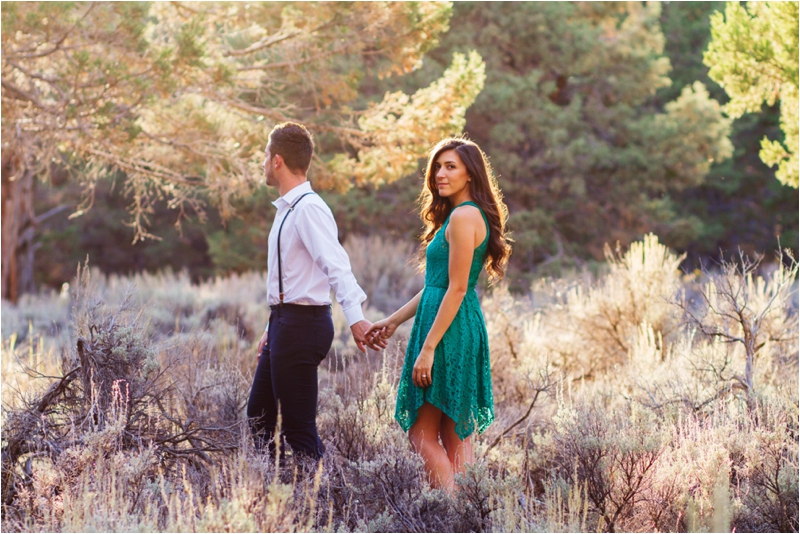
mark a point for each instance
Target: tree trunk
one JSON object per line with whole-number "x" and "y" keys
{"x": 18, "y": 227}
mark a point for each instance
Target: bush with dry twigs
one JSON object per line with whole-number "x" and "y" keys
{"x": 642, "y": 399}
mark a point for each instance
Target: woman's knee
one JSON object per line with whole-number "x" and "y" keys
{"x": 418, "y": 434}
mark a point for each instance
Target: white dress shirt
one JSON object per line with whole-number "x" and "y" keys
{"x": 313, "y": 260}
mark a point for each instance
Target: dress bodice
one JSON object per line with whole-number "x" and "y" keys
{"x": 437, "y": 256}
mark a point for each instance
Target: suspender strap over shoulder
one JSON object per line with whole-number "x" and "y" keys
{"x": 280, "y": 229}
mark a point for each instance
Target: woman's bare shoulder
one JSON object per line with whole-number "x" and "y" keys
{"x": 467, "y": 215}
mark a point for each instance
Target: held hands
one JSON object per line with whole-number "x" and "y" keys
{"x": 360, "y": 331}
{"x": 377, "y": 338}
{"x": 380, "y": 332}
{"x": 422, "y": 375}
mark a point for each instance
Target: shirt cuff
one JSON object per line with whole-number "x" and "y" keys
{"x": 354, "y": 315}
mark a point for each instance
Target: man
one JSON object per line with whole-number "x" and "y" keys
{"x": 309, "y": 263}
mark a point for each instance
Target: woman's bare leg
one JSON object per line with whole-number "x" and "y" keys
{"x": 459, "y": 452}
{"x": 424, "y": 436}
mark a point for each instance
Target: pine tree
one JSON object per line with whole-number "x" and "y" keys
{"x": 739, "y": 205}
{"x": 753, "y": 55}
{"x": 585, "y": 152}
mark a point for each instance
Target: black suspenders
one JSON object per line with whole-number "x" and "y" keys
{"x": 280, "y": 228}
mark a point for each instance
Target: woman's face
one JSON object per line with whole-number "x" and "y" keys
{"x": 450, "y": 174}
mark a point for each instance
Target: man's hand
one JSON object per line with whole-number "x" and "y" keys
{"x": 359, "y": 330}
{"x": 261, "y": 346}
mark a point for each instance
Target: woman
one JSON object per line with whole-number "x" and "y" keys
{"x": 445, "y": 389}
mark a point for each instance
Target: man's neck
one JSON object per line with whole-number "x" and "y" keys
{"x": 290, "y": 183}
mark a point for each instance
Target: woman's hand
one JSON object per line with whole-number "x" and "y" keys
{"x": 422, "y": 375}
{"x": 380, "y": 332}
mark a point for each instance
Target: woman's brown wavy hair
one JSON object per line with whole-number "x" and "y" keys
{"x": 484, "y": 192}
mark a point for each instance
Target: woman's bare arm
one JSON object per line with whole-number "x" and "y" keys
{"x": 382, "y": 330}
{"x": 463, "y": 229}
{"x": 407, "y": 311}
{"x": 462, "y": 248}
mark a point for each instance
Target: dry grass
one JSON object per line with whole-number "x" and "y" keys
{"x": 623, "y": 403}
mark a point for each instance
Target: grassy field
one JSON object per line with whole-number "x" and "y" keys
{"x": 639, "y": 399}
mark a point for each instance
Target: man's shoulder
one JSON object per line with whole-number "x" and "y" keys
{"x": 313, "y": 204}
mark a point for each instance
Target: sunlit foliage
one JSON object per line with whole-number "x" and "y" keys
{"x": 753, "y": 55}
{"x": 181, "y": 96}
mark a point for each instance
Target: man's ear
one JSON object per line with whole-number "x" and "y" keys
{"x": 277, "y": 161}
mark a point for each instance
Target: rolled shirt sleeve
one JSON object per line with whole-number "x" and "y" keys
{"x": 319, "y": 233}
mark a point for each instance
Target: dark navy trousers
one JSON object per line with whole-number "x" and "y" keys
{"x": 299, "y": 338}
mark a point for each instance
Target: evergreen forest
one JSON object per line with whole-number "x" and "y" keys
{"x": 600, "y": 120}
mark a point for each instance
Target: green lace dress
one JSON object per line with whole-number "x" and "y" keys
{"x": 462, "y": 383}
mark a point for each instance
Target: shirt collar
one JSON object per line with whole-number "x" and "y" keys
{"x": 292, "y": 195}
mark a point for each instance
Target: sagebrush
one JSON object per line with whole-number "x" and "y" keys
{"x": 643, "y": 399}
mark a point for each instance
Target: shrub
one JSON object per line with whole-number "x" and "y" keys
{"x": 118, "y": 393}
{"x": 613, "y": 455}
{"x": 142, "y": 428}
